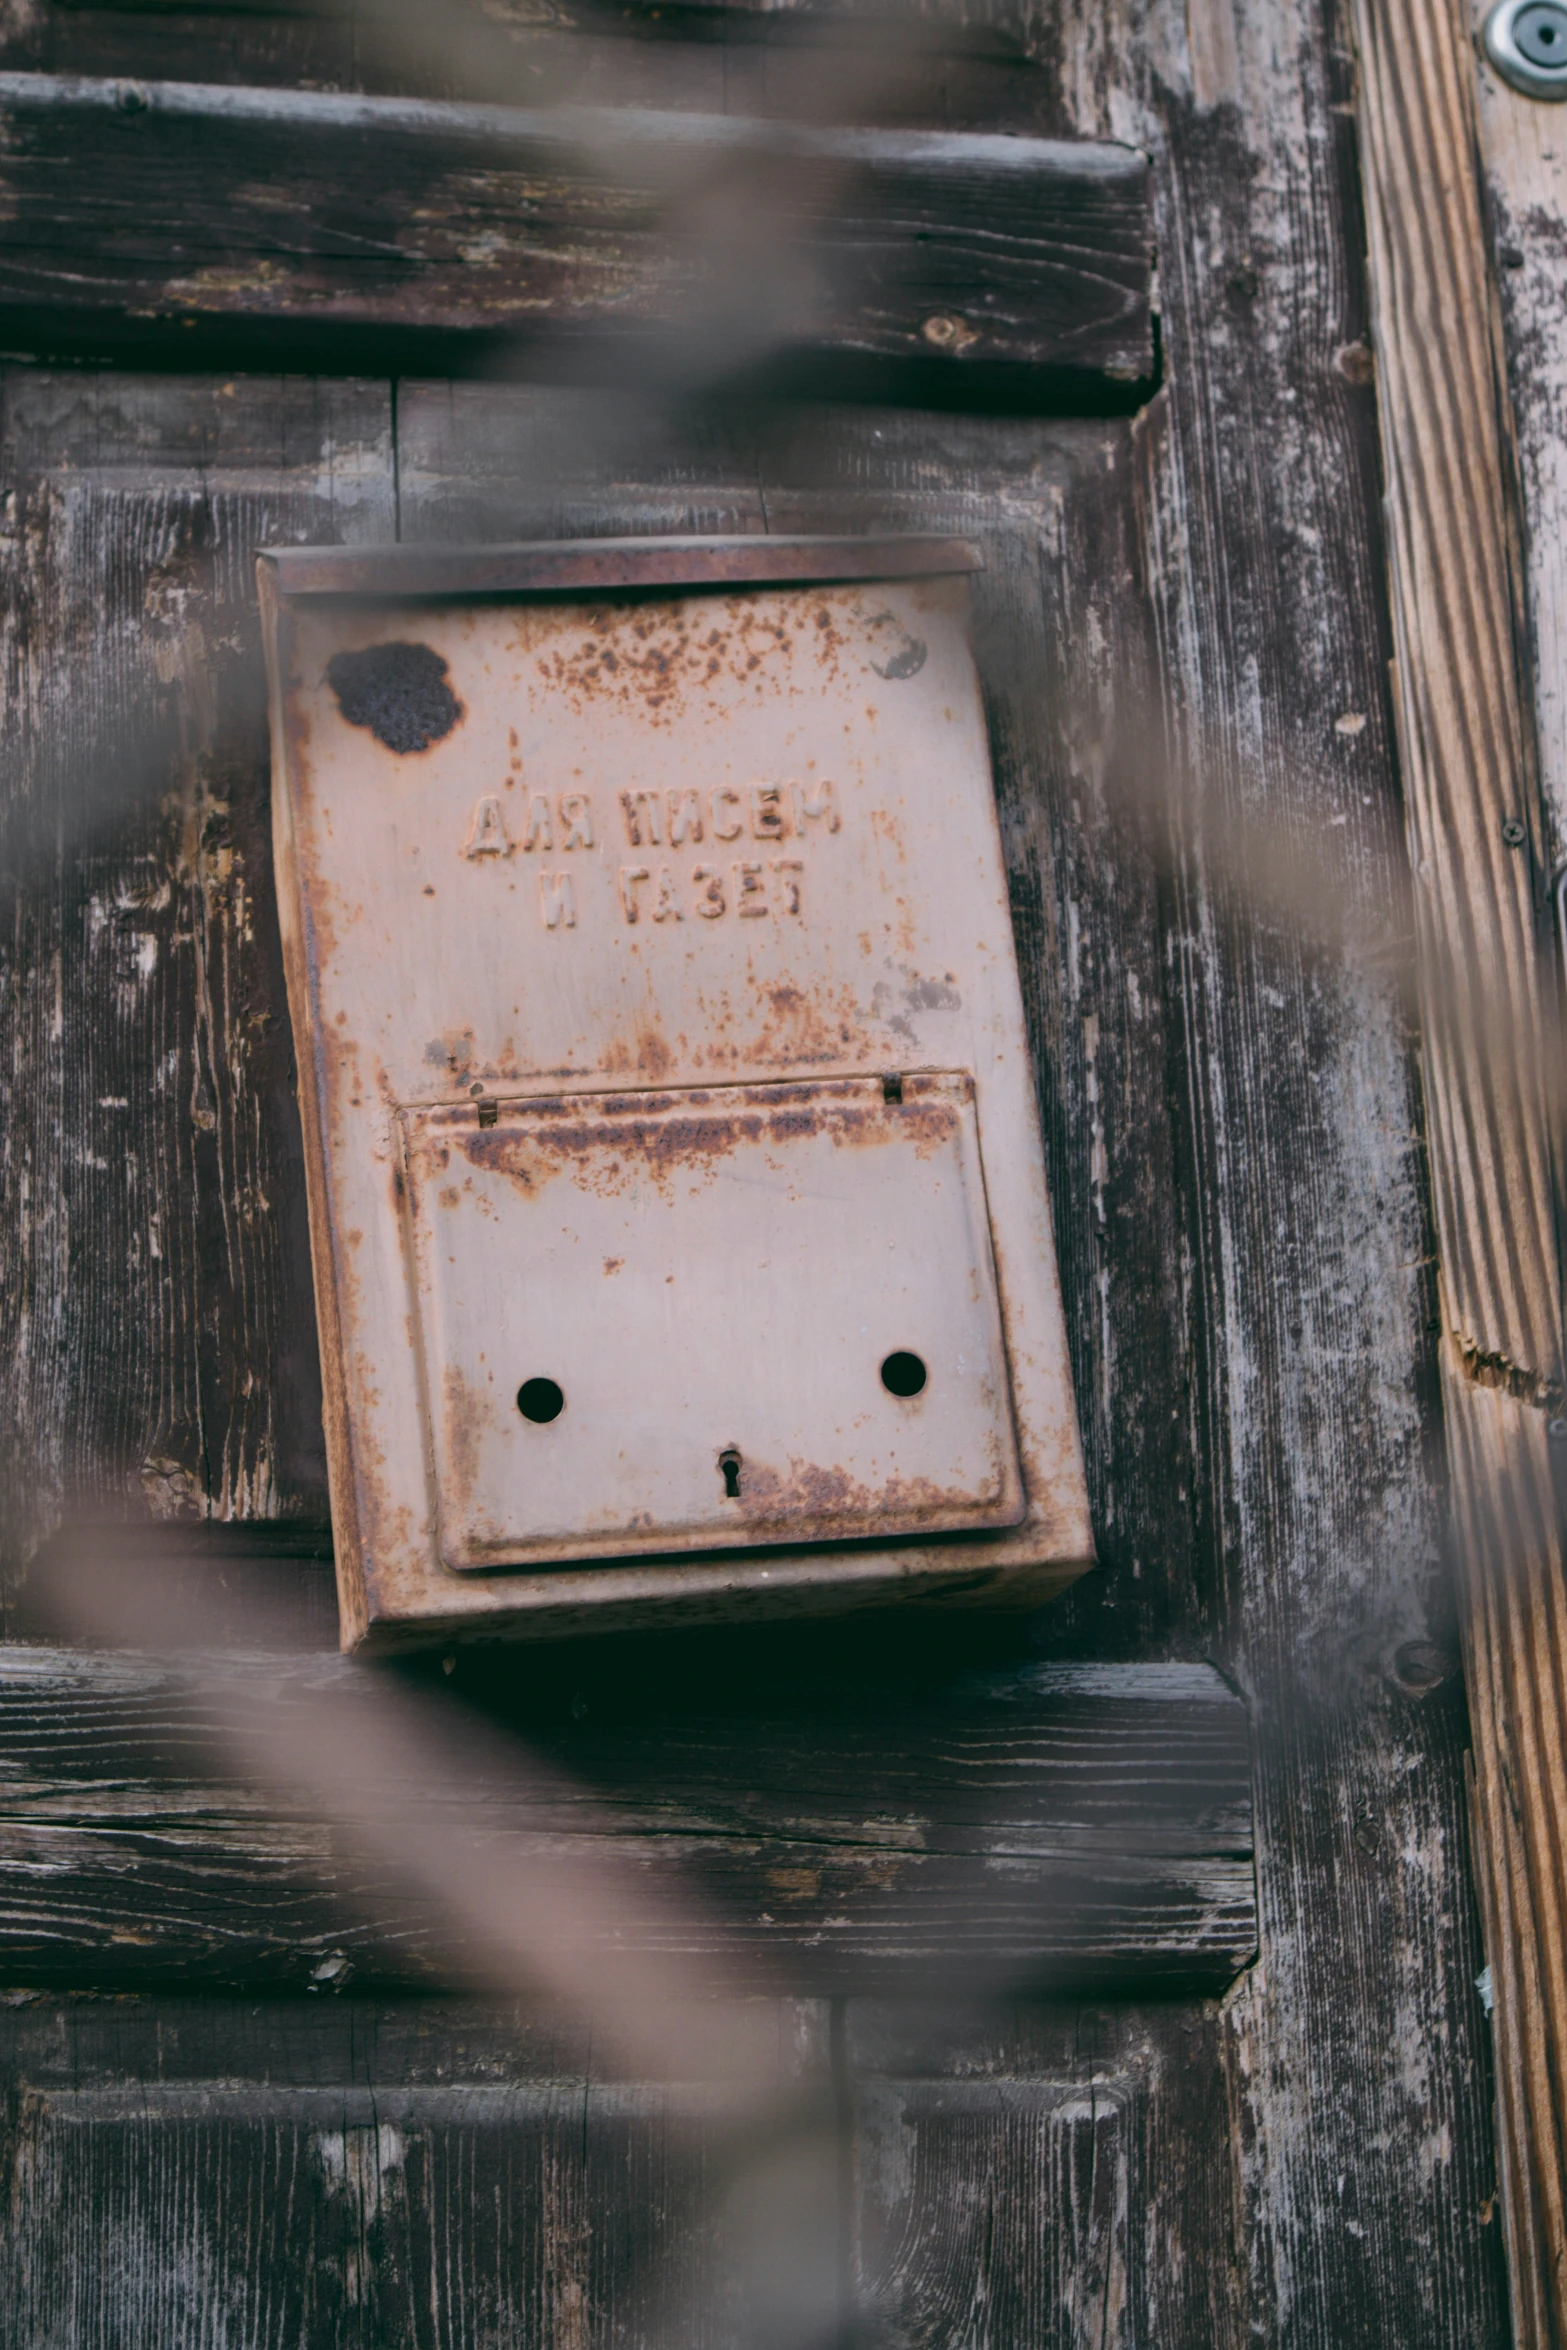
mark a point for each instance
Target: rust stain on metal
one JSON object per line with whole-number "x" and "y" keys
{"x": 815, "y": 1499}
{"x": 646, "y": 1054}
{"x": 639, "y": 1138}
{"x": 667, "y": 656}
{"x": 463, "y": 1414}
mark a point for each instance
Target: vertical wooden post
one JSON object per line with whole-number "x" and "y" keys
{"x": 1474, "y": 827}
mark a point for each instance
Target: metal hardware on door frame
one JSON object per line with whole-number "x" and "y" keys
{"x": 1521, "y": 39}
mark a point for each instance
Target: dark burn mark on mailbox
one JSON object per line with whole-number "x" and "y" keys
{"x": 907, "y": 661}
{"x": 932, "y": 995}
{"x": 905, "y": 653}
{"x": 453, "y": 1052}
{"x": 399, "y": 691}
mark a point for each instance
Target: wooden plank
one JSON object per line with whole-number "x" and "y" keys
{"x": 1475, "y": 842}
{"x": 647, "y": 54}
{"x": 366, "y": 232}
{"x": 1525, "y": 170}
{"x": 1000, "y": 2154}
{"x": 311, "y": 46}
{"x": 158, "y": 1332}
{"x": 1525, "y": 215}
{"x": 1114, "y": 2114}
{"x": 1052, "y": 1824}
{"x": 450, "y": 2174}
{"x": 1302, "y": 1291}
{"x": 1011, "y": 2166}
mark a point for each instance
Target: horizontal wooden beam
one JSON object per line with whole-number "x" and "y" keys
{"x": 187, "y": 223}
{"x": 1037, "y": 1828}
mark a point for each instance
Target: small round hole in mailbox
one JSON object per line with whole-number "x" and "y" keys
{"x": 904, "y": 1374}
{"x": 540, "y": 1400}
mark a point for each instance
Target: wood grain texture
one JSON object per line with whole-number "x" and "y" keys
{"x": 1307, "y": 1247}
{"x": 468, "y": 2175}
{"x": 1526, "y": 218}
{"x": 1465, "y": 733}
{"x": 1476, "y": 829}
{"x": 1516, "y": 1641}
{"x": 1525, "y": 180}
{"x": 151, "y": 1124}
{"x": 1065, "y": 1824}
{"x": 647, "y": 53}
{"x": 1006, "y": 2148}
{"x": 461, "y": 2176}
{"x": 1113, "y": 2118}
{"x": 222, "y": 224}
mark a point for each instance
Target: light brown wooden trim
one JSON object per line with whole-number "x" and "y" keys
{"x": 1514, "y": 1647}
{"x": 1466, "y": 741}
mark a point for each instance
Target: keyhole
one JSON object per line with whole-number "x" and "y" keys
{"x": 729, "y": 1469}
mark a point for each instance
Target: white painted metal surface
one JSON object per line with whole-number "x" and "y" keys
{"x": 710, "y": 1283}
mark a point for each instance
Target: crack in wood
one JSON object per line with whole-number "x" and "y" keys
{"x": 1487, "y": 1368}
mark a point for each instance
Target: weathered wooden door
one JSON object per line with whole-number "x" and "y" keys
{"x": 1125, "y": 1955}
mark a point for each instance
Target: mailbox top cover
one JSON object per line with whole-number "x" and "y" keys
{"x": 680, "y": 1232}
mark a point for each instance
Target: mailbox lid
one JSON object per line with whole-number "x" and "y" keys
{"x": 710, "y": 1282}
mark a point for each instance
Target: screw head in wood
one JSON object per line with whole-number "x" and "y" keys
{"x": 1421, "y": 1666}
{"x": 1514, "y": 833}
{"x": 1526, "y": 41}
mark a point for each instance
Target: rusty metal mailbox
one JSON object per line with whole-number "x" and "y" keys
{"x": 678, "y": 1213}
